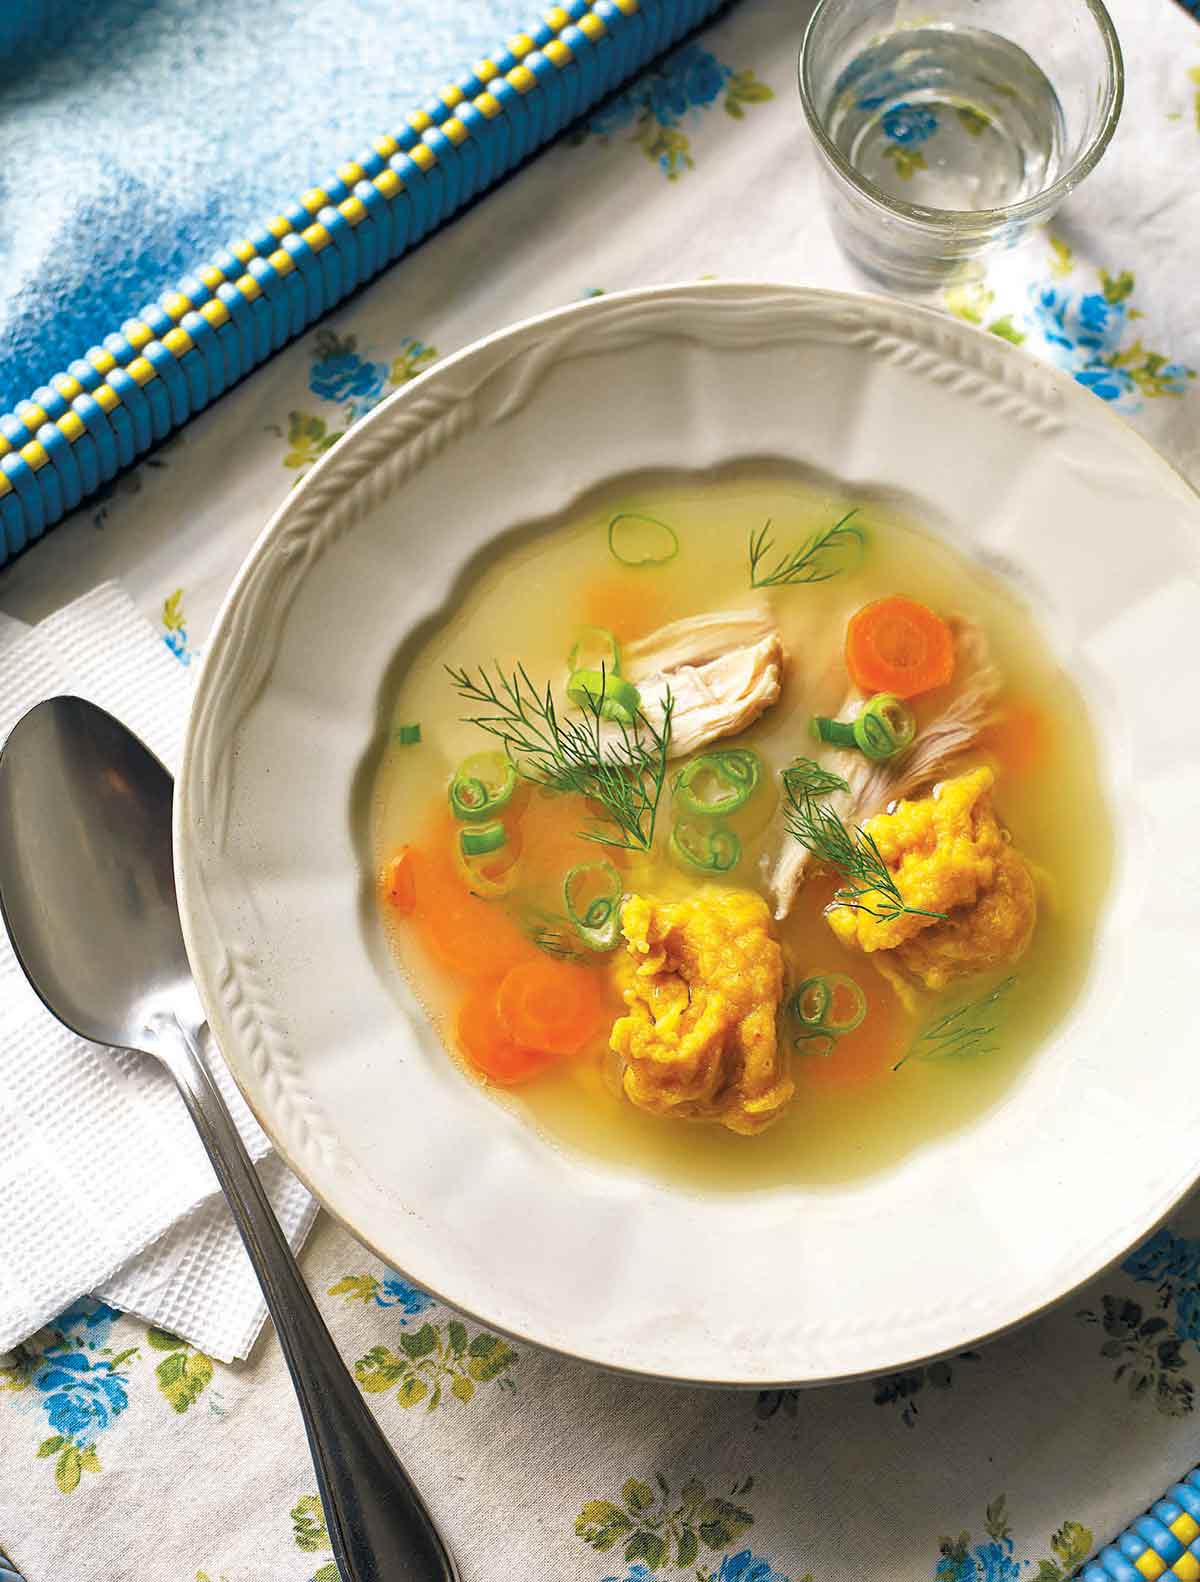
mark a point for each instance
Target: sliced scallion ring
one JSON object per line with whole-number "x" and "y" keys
{"x": 616, "y": 699}
{"x": 482, "y": 839}
{"x": 595, "y": 649}
{"x": 710, "y": 847}
{"x": 838, "y": 733}
{"x": 489, "y": 884}
{"x": 741, "y": 765}
{"x": 810, "y": 1002}
{"x": 487, "y": 859}
{"x": 815, "y": 1037}
{"x": 828, "y": 1005}
{"x": 592, "y": 894}
{"x": 482, "y": 785}
{"x": 637, "y": 540}
{"x": 884, "y": 726}
{"x": 717, "y": 783}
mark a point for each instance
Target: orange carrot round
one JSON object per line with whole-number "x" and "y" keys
{"x": 550, "y": 1005}
{"x": 399, "y": 887}
{"x": 622, "y": 604}
{"x": 897, "y": 645}
{"x": 487, "y": 1043}
{"x": 1019, "y": 738}
{"x": 472, "y": 937}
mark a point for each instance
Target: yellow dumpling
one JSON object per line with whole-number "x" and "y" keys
{"x": 702, "y": 979}
{"x": 947, "y": 853}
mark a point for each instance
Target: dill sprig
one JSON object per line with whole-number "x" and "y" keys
{"x": 551, "y": 933}
{"x": 805, "y": 778}
{"x": 870, "y": 886}
{"x": 623, "y": 774}
{"x": 805, "y": 564}
{"x": 965, "y": 1031}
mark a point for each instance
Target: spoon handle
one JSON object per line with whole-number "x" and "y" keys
{"x": 378, "y": 1524}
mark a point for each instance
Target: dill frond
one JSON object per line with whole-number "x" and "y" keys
{"x": 809, "y": 563}
{"x": 962, "y": 1032}
{"x": 551, "y": 933}
{"x": 622, "y": 775}
{"x": 870, "y": 886}
{"x": 806, "y": 778}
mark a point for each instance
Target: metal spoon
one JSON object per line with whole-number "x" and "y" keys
{"x": 87, "y": 891}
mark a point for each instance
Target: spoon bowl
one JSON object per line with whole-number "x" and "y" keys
{"x": 88, "y": 887}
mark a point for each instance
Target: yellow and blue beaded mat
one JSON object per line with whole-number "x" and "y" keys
{"x": 190, "y": 120}
{"x": 1165, "y": 1543}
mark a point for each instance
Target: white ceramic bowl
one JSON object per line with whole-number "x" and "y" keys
{"x": 1091, "y": 1146}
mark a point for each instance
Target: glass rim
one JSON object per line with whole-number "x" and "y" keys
{"x": 978, "y": 218}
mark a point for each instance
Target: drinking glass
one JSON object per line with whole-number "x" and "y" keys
{"x": 948, "y": 128}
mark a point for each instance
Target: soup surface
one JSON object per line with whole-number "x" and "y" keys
{"x": 864, "y": 1097}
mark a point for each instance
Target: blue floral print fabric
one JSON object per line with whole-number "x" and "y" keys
{"x": 659, "y": 108}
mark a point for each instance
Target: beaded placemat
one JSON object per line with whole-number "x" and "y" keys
{"x": 229, "y": 314}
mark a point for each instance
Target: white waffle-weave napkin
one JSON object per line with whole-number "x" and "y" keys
{"x": 104, "y": 1186}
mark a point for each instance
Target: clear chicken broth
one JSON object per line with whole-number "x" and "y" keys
{"x": 854, "y": 1114}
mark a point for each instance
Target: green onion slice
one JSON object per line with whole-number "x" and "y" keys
{"x": 810, "y": 1002}
{"x": 408, "y": 735}
{"x": 741, "y": 765}
{"x": 710, "y": 847}
{"x": 839, "y": 733}
{"x": 637, "y": 540}
{"x": 718, "y": 783}
{"x": 595, "y": 649}
{"x": 884, "y": 727}
{"x": 826, "y": 1041}
{"x": 592, "y": 894}
{"x": 482, "y": 785}
{"x": 475, "y": 852}
{"x": 488, "y": 886}
{"x": 481, "y": 839}
{"x": 616, "y": 699}
{"x": 828, "y": 1006}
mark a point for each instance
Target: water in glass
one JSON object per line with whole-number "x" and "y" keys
{"x": 950, "y": 117}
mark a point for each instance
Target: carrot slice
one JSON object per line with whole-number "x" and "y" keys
{"x": 625, "y": 606}
{"x": 473, "y": 937}
{"x": 550, "y": 1005}
{"x": 487, "y": 1043}
{"x": 897, "y": 645}
{"x": 1019, "y": 738}
{"x": 398, "y": 884}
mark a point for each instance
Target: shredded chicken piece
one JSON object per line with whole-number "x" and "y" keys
{"x": 695, "y": 639}
{"x": 873, "y": 785}
{"x": 717, "y": 699}
{"x": 722, "y": 670}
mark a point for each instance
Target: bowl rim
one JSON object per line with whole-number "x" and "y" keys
{"x": 736, "y": 290}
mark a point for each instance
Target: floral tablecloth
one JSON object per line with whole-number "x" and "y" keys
{"x": 125, "y": 1453}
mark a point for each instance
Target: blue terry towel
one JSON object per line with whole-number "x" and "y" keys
{"x": 139, "y": 135}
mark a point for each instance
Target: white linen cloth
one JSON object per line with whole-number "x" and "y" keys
{"x": 104, "y": 1185}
